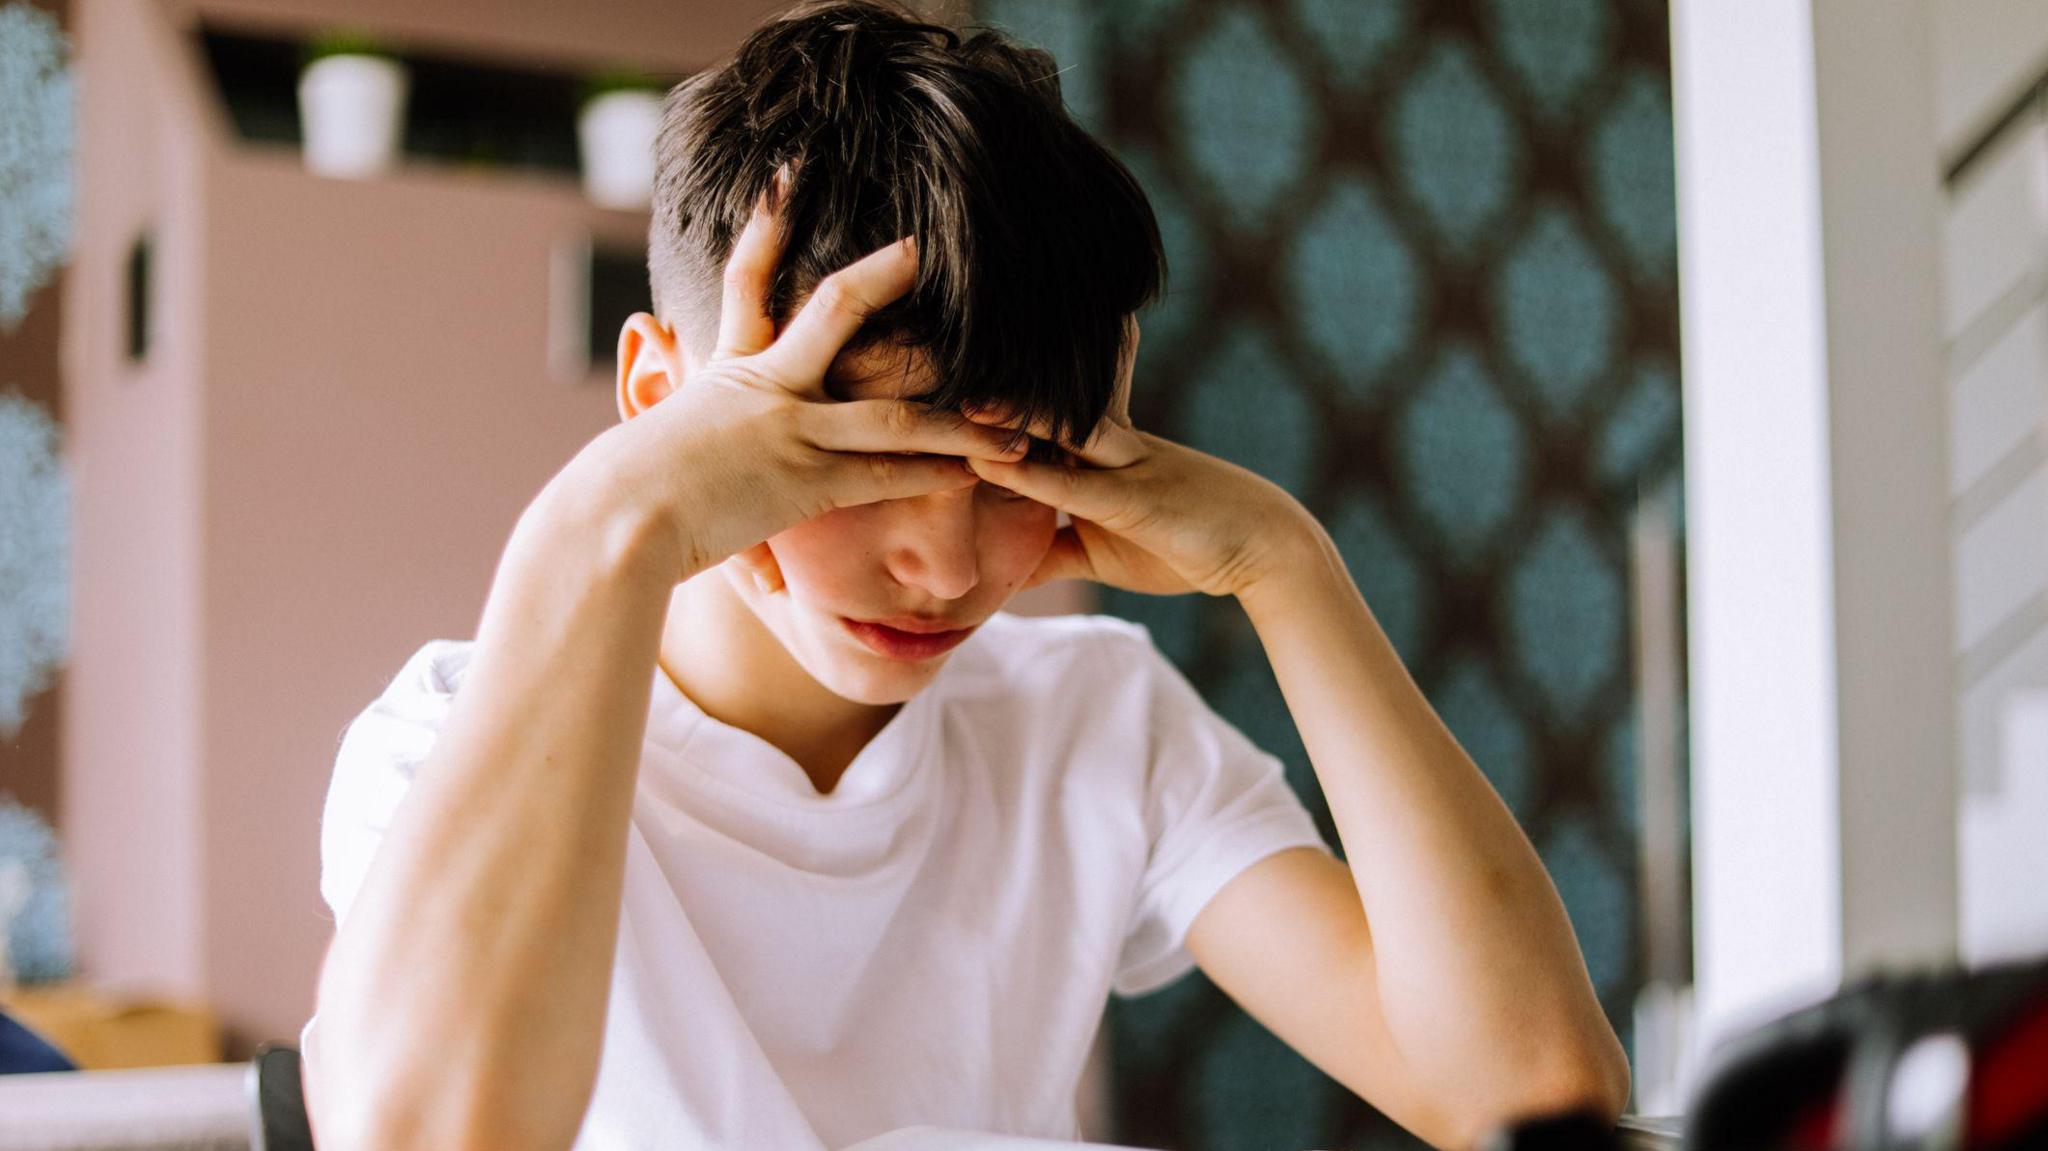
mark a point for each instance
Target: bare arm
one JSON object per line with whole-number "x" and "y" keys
{"x": 1438, "y": 973}
{"x": 462, "y": 1002}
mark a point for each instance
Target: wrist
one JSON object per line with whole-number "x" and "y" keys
{"x": 1302, "y": 561}
{"x": 594, "y": 513}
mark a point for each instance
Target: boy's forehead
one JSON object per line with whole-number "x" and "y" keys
{"x": 882, "y": 371}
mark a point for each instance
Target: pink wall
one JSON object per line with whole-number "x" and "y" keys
{"x": 348, "y": 403}
{"x": 379, "y": 409}
{"x": 132, "y": 748}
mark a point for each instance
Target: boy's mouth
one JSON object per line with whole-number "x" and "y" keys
{"x": 907, "y": 639}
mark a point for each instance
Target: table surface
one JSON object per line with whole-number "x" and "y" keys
{"x": 195, "y": 1108}
{"x": 208, "y": 1108}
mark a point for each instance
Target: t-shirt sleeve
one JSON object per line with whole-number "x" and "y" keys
{"x": 380, "y": 751}
{"x": 1214, "y": 805}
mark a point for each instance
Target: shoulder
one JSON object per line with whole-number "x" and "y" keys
{"x": 427, "y": 683}
{"x": 436, "y": 669}
{"x": 400, "y": 724}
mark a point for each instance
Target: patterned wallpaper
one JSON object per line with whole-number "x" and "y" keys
{"x": 1423, "y": 275}
{"x": 37, "y": 140}
{"x": 35, "y": 156}
{"x": 35, "y": 509}
{"x": 36, "y": 191}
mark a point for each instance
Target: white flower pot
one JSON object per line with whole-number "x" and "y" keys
{"x": 352, "y": 109}
{"x": 616, "y": 134}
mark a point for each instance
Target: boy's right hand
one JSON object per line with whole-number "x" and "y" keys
{"x": 750, "y": 443}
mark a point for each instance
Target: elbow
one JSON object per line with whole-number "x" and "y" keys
{"x": 1610, "y": 1072}
{"x": 1588, "y": 1079}
{"x": 1595, "y": 1084}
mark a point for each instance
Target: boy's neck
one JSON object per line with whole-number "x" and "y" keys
{"x": 721, "y": 656}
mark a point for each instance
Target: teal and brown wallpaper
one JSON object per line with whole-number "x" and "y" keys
{"x": 1423, "y": 274}
{"x": 37, "y": 141}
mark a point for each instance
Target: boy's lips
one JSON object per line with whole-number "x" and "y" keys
{"x": 908, "y": 638}
{"x": 916, "y": 625}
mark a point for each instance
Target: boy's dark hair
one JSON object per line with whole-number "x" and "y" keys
{"x": 1034, "y": 241}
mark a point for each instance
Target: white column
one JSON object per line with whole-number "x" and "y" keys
{"x": 1824, "y": 808}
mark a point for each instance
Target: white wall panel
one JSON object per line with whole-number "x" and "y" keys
{"x": 1996, "y": 235}
{"x": 2005, "y": 831}
{"x": 2000, "y": 401}
{"x": 2001, "y": 561}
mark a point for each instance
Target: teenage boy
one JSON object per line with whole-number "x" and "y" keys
{"x": 747, "y": 821}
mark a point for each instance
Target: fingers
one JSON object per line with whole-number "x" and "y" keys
{"x": 840, "y": 304}
{"x": 1083, "y": 493}
{"x": 744, "y": 325}
{"x": 1067, "y": 558}
{"x": 904, "y": 426}
{"x": 1112, "y": 443}
{"x": 1126, "y": 366}
{"x": 867, "y": 479}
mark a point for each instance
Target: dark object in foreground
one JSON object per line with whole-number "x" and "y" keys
{"x": 1929, "y": 1062}
{"x": 280, "y": 1101}
{"x": 1578, "y": 1132}
{"x": 22, "y": 1051}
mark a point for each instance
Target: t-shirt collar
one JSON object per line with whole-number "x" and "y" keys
{"x": 725, "y": 759}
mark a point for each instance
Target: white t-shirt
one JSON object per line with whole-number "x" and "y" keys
{"x": 934, "y": 942}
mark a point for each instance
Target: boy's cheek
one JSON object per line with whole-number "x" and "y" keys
{"x": 1015, "y": 541}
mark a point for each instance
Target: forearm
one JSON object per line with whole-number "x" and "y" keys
{"x": 463, "y": 1000}
{"x": 1479, "y": 975}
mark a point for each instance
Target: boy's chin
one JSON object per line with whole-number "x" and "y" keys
{"x": 873, "y": 680}
{"x": 857, "y": 674}
{"x": 839, "y": 664}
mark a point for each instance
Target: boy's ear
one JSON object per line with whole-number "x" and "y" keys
{"x": 651, "y": 365}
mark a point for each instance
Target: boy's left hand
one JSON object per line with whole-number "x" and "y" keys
{"x": 1150, "y": 515}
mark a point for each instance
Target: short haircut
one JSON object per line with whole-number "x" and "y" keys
{"x": 1035, "y": 242}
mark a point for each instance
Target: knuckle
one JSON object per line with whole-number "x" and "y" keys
{"x": 795, "y": 420}
{"x": 836, "y": 294}
{"x": 759, "y": 373}
{"x": 744, "y": 278}
{"x": 883, "y": 470}
{"x": 790, "y": 422}
{"x": 1069, "y": 480}
{"x": 901, "y": 418}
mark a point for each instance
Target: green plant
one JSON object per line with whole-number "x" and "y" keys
{"x": 345, "y": 42}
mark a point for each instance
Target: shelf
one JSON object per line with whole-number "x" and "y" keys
{"x": 492, "y": 114}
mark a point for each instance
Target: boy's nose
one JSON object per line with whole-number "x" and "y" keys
{"x": 933, "y": 545}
